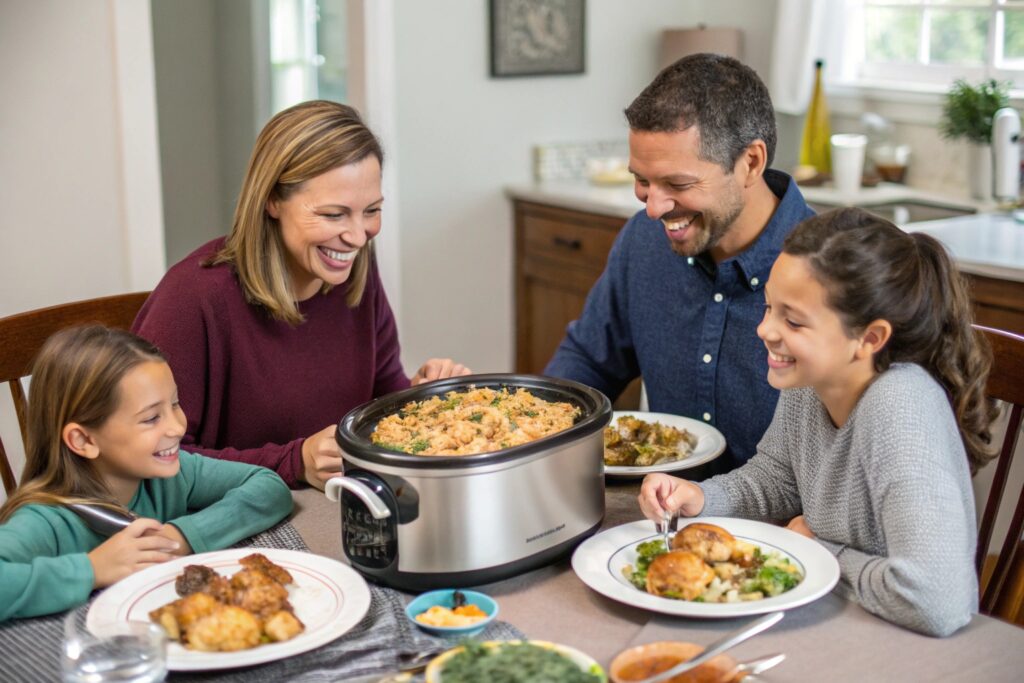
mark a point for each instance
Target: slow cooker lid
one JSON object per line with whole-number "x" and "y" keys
{"x": 355, "y": 428}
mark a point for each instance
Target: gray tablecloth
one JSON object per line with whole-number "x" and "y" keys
{"x": 30, "y": 648}
{"x": 837, "y": 640}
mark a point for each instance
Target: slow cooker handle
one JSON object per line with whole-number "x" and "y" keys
{"x": 377, "y": 507}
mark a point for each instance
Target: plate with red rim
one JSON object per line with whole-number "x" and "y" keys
{"x": 710, "y": 444}
{"x": 599, "y": 561}
{"x": 329, "y": 598}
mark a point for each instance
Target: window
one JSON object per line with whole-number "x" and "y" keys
{"x": 307, "y": 51}
{"x": 934, "y": 41}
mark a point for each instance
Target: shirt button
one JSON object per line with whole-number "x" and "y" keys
{"x": 707, "y": 358}
{"x": 754, "y": 282}
{"x": 707, "y": 417}
{"x": 718, "y": 298}
{"x": 689, "y": 260}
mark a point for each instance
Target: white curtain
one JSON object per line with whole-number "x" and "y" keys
{"x": 807, "y": 30}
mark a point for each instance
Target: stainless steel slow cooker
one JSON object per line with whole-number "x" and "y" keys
{"x": 417, "y": 522}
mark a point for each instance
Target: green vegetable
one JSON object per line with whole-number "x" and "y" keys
{"x": 646, "y": 552}
{"x": 530, "y": 413}
{"x": 515, "y": 663}
{"x": 476, "y": 417}
{"x": 420, "y": 445}
{"x": 450, "y": 403}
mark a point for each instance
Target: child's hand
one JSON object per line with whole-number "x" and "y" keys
{"x": 321, "y": 457}
{"x": 137, "y": 546}
{"x": 799, "y": 525}
{"x": 661, "y": 492}
{"x": 173, "y": 533}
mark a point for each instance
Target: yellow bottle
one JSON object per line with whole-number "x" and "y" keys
{"x": 815, "y": 146}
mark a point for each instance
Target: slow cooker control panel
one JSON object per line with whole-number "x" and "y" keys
{"x": 367, "y": 541}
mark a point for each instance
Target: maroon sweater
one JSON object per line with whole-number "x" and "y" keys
{"x": 253, "y": 387}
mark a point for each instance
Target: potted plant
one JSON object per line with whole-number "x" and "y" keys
{"x": 967, "y": 113}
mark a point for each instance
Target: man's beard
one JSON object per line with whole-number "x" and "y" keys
{"x": 714, "y": 225}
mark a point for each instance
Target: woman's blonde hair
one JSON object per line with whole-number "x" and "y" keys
{"x": 296, "y": 145}
{"x": 76, "y": 378}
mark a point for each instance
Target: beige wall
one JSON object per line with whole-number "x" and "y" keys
{"x": 79, "y": 180}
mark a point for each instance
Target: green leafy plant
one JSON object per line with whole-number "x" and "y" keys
{"x": 968, "y": 110}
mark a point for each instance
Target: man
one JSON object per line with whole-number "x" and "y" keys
{"x": 682, "y": 294}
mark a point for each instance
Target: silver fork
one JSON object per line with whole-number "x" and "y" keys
{"x": 669, "y": 523}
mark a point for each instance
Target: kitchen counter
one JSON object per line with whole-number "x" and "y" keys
{"x": 988, "y": 243}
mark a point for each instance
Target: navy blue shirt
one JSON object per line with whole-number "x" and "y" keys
{"x": 687, "y": 327}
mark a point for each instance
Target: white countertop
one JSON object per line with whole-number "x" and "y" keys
{"x": 987, "y": 243}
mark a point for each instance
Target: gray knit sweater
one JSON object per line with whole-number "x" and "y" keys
{"x": 888, "y": 493}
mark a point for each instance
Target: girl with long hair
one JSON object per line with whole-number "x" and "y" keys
{"x": 103, "y": 428}
{"x": 881, "y": 421}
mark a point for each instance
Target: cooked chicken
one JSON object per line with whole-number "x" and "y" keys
{"x": 260, "y": 562}
{"x": 221, "y": 614}
{"x": 282, "y": 626}
{"x": 199, "y": 579}
{"x": 227, "y": 629}
{"x": 678, "y": 574}
{"x": 253, "y": 590}
{"x": 708, "y": 542}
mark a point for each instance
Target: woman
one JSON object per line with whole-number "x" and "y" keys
{"x": 277, "y": 331}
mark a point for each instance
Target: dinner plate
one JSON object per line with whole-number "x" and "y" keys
{"x": 710, "y": 445}
{"x": 599, "y": 561}
{"x": 329, "y": 598}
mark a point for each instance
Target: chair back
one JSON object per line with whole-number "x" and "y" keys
{"x": 23, "y": 334}
{"x": 1003, "y": 594}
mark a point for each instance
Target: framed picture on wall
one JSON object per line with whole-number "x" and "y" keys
{"x": 537, "y": 37}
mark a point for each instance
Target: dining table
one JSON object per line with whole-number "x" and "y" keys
{"x": 830, "y": 639}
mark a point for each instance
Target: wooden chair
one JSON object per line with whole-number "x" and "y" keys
{"x": 23, "y": 334}
{"x": 1003, "y": 592}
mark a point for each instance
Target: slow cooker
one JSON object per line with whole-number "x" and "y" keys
{"x": 417, "y": 522}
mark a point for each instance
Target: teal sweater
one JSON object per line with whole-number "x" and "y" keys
{"x": 44, "y": 566}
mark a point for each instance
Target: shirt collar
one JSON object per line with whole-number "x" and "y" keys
{"x": 755, "y": 263}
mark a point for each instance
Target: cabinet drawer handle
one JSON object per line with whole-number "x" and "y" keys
{"x": 567, "y": 243}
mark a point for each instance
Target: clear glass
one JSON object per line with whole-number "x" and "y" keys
{"x": 129, "y": 652}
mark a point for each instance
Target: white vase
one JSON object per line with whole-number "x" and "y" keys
{"x": 979, "y": 170}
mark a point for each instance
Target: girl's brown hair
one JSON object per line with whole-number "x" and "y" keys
{"x": 296, "y": 145}
{"x": 76, "y": 378}
{"x": 873, "y": 270}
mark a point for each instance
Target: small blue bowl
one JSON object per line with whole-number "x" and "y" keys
{"x": 446, "y": 598}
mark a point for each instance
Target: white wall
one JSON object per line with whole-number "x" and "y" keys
{"x": 464, "y": 135}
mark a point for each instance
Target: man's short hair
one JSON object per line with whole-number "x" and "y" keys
{"x": 724, "y": 98}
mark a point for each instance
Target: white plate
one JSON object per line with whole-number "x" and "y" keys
{"x": 710, "y": 444}
{"x": 329, "y": 598}
{"x": 600, "y": 559}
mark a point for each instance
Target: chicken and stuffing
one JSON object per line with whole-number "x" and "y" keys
{"x": 223, "y": 614}
{"x": 707, "y": 564}
{"x": 480, "y": 420}
{"x": 632, "y": 442}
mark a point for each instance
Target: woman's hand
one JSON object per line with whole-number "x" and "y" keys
{"x": 799, "y": 525}
{"x": 660, "y": 492}
{"x": 321, "y": 457}
{"x": 137, "y": 546}
{"x": 439, "y": 368}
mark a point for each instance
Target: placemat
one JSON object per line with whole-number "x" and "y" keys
{"x": 30, "y": 648}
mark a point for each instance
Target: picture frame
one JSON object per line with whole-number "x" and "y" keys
{"x": 537, "y": 37}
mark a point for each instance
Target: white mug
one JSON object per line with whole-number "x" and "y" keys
{"x": 848, "y": 162}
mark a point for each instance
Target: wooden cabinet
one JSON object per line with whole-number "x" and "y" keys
{"x": 998, "y": 303}
{"x": 559, "y": 255}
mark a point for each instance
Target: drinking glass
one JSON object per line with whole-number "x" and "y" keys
{"x": 127, "y": 652}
